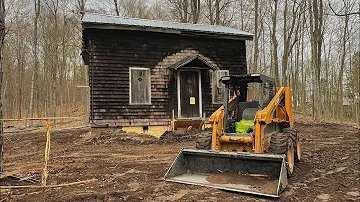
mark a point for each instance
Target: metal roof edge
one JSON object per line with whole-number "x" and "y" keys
{"x": 206, "y": 33}
{"x": 88, "y": 25}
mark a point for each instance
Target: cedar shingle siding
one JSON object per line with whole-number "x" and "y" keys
{"x": 109, "y": 53}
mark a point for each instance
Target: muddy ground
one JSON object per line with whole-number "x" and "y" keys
{"x": 131, "y": 167}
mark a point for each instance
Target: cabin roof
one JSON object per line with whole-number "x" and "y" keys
{"x": 101, "y": 21}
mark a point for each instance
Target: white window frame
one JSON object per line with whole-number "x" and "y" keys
{"x": 149, "y": 85}
{"x": 215, "y": 83}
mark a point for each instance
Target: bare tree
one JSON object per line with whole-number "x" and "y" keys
{"x": 289, "y": 37}
{"x": 195, "y": 10}
{"x": 347, "y": 12}
{"x": 36, "y": 60}
{"x": 275, "y": 43}
{"x": 217, "y": 12}
{"x": 133, "y": 9}
{"x": 316, "y": 34}
{"x": 342, "y": 64}
{"x": 53, "y": 7}
{"x": 32, "y": 66}
{"x": 180, "y": 9}
{"x": 211, "y": 11}
{"x": 81, "y": 5}
{"x": 116, "y": 7}
{"x": 256, "y": 36}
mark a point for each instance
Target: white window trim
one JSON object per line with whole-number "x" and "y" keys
{"x": 149, "y": 86}
{"x": 214, "y": 84}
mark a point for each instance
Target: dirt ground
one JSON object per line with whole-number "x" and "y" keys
{"x": 131, "y": 167}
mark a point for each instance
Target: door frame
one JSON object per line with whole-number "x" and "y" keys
{"x": 178, "y": 91}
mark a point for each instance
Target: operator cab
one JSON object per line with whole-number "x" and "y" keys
{"x": 247, "y": 94}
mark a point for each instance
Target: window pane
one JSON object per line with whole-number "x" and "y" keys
{"x": 253, "y": 91}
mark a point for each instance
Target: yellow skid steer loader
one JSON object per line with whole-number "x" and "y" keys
{"x": 253, "y": 144}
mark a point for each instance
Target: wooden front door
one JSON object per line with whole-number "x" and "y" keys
{"x": 189, "y": 94}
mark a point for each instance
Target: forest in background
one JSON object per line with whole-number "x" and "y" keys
{"x": 311, "y": 45}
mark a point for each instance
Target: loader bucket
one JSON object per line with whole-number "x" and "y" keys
{"x": 261, "y": 174}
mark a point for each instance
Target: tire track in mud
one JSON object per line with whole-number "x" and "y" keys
{"x": 132, "y": 168}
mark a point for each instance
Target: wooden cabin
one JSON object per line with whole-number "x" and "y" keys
{"x": 145, "y": 73}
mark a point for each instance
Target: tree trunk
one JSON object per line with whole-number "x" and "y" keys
{"x": 315, "y": 16}
{"x": 256, "y": 37}
{"x": 303, "y": 78}
{"x": 217, "y": 12}
{"x": 2, "y": 36}
{"x": 296, "y": 77}
{"x": 286, "y": 42}
{"x": 20, "y": 68}
{"x": 342, "y": 67}
{"x": 275, "y": 44}
{"x": 35, "y": 69}
{"x": 242, "y": 14}
{"x": 116, "y": 8}
{"x": 288, "y": 34}
{"x": 55, "y": 63}
{"x": 185, "y": 5}
{"x": 195, "y": 10}
{"x": 211, "y": 12}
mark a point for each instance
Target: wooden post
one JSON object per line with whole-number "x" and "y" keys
{"x": 357, "y": 105}
{"x": 173, "y": 120}
{"x": 1, "y": 125}
{"x": 46, "y": 154}
{"x": 2, "y": 35}
{"x": 204, "y": 124}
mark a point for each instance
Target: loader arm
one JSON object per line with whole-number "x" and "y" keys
{"x": 266, "y": 116}
{"x": 284, "y": 115}
{"x": 216, "y": 121}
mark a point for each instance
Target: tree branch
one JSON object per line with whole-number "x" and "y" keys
{"x": 345, "y": 14}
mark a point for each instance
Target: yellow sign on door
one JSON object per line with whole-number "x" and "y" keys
{"x": 192, "y": 100}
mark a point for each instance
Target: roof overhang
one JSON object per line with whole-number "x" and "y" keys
{"x": 99, "y": 21}
{"x": 187, "y": 60}
{"x": 168, "y": 31}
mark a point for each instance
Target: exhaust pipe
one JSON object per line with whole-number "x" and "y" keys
{"x": 260, "y": 174}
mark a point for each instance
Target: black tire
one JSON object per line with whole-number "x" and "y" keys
{"x": 280, "y": 143}
{"x": 204, "y": 141}
{"x": 290, "y": 161}
{"x": 294, "y": 137}
{"x": 292, "y": 132}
